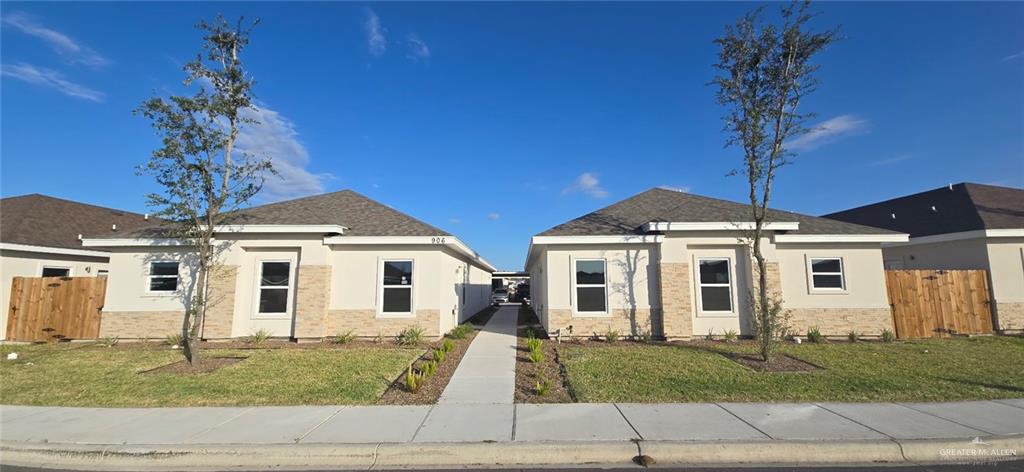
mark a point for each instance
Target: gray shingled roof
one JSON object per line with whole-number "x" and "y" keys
{"x": 627, "y": 216}
{"x": 41, "y": 220}
{"x": 361, "y": 215}
{"x": 964, "y": 207}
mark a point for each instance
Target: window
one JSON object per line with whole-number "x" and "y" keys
{"x": 715, "y": 285}
{"x": 56, "y": 272}
{"x": 827, "y": 273}
{"x": 590, "y": 286}
{"x": 163, "y": 276}
{"x": 397, "y": 287}
{"x": 274, "y": 283}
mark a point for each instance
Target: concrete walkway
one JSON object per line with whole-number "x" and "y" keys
{"x": 487, "y": 373}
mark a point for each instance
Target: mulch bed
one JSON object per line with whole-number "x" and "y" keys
{"x": 780, "y": 363}
{"x": 528, "y": 373}
{"x": 242, "y": 345}
{"x": 205, "y": 365}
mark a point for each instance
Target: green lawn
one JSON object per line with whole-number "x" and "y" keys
{"x": 930, "y": 370}
{"x": 77, "y": 375}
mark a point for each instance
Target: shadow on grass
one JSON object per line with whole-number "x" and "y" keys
{"x": 1005, "y": 388}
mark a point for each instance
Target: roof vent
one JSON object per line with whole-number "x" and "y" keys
{"x": 933, "y": 208}
{"x": 79, "y": 236}
{"x": 951, "y": 186}
{"x": 114, "y": 227}
{"x": 145, "y": 216}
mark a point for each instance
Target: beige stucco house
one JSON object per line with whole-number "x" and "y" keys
{"x": 39, "y": 237}
{"x": 676, "y": 265}
{"x": 962, "y": 226}
{"x": 303, "y": 269}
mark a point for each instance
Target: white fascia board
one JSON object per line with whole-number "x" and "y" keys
{"x": 281, "y": 229}
{"x": 53, "y": 250}
{"x": 962, "y": 235}
{"x": 133, "y": 242}
{"x": 840, "y": 238}
{"x": 449, "y": 241}
{"x": 624, "y": 239}
{"x": 719, "y": 226}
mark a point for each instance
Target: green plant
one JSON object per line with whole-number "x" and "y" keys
{"x": 888, "y": 336}
{"x": 461, "y": 331}
{"x": 530, "y": 332}
{"x": 259, "y": 337}
{"x": 108, "y": 342}
{"x": 173, "y": 339}
{"x": 814, "y": 335}
{"x": 711, "y": 335}
{"x": 345, "y": 338}
{"x": 447, "y": 345}
{"x": 853, "y": 336}
{"x": 611, "y": 336}
{"x": 533, "y": 344}
{"x": 410, "y": 336}
{"x": 379, "y": 339}
{"x": 413, "y": 380}
{"x": 543, "y": 387}
{"x": 537, "y": 356}
{"x": 644, "y": 336}
{"x": 730, "y": 336}
{"x": 439, "y": 355}
{"x": 429, "y": 368}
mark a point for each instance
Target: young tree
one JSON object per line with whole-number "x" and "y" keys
{"x": 766, "y": 70}
{"x": 203, "y": 175}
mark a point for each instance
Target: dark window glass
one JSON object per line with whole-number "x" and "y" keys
{"x": 828, "y": 281}
{"x": 275, "y": 274}
{"x": 825, "y": 265}
{"x": 714, "y": 271}
{"x": 589, "y": 272}
{"x": 163, "y": 268}
{"x": 590, "y": 299}
{"x": 397, "y": 300}
{"x": 273, "y": 300}
{"x": 397, "y": 272}
{"x": 56, "y": 272}
{"x": 715, "y": 299}
{"x": 163, "y": 284}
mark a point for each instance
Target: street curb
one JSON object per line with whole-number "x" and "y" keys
{"x": 506, "y": 454}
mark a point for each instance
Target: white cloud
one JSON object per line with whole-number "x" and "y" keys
{"x": 1014, "y": 56}
{"x": 587, "y": 183}
{"x": 52, "y": 79}
{"x": 827, "y": 132}
{"x": 376, "y": 41}
{"x": 418, "y": 50}
{"x": 891, "y": 160}
{"x": 493, "y": 216}
{"x": 454, "y": 221}
{"x": 61, "y": 43}
{"x": 683, "y": 189}
{"x": 275, "y": 137}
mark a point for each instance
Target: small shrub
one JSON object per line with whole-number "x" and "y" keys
{"x": 853, "y": 336}
{"x": 259, "y": 337}
{"x": 644, "y": 336}
{"x": 429, "y": 368}
{"x": 173, "y": 339}
{"x": 730, "y": 336}
{"x": 410, "y": 336}
{"x": 711, "y": 335}
{"x": 380, "y": 338}
{"x": 537, "y": 356}
{"x": 108, "y": 342}
{"x": 413, "y": 380}
{"x": 814, "y": 335}
{"x": 345, "y": 338}
{"x": 447, "y": 345}
{"x": 888, "y": 336}
{"x": 530, "y": 332}
{"x": 611, "y": 336}
{"x": 461, "y": 331}
{"x": 533, "y": 344}
{"x": 543, "y": 387}
{"x": 439, "y": 355}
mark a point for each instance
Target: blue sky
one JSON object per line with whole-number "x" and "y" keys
{"x": 496, "y": 121}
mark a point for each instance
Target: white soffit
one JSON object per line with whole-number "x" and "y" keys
{"x": 719, "y": 226}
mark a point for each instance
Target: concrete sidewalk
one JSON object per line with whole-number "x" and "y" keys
{"x": 487, "y": 372}
{"x": 508, "y": 434}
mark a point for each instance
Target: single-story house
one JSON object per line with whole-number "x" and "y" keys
{"x": 304, "y": 269}
{"x": 40, "y": 237}
{"x": 962, "y": 226}
{"x": 675, "y": 265}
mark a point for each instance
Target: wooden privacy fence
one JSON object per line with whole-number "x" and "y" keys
{"x": 55, "y": 308}
{"x": 939, "y": 303}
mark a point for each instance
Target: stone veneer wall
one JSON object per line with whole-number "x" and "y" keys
{"x": 313, "y": 294}
{"x": 220, "y": 312}
{"x": 140, "y": 324}
{"x": 676, "y": 302}
{"x": 840, "y": 321}
{"x": 364, "y": 323}
{"x": 626, "y": 322}
{"x": 1010, "y": 317}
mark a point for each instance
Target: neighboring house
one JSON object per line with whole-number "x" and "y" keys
{"x": 962, "y": 226}
{"x": 675, "y": 265}
{"x": 39, "y": 237}
{"x": 304, "y": 269}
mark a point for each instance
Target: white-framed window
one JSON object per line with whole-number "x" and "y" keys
{"x": 163, "y": 276}
{"x": 396, "y": 287}
{"x": 275, "y": 287}
{"x": 715, "y": 284}
{"x": 591, "y": 286}
{"x": 827, "y": 273}
{"x": 52, "y": 271}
